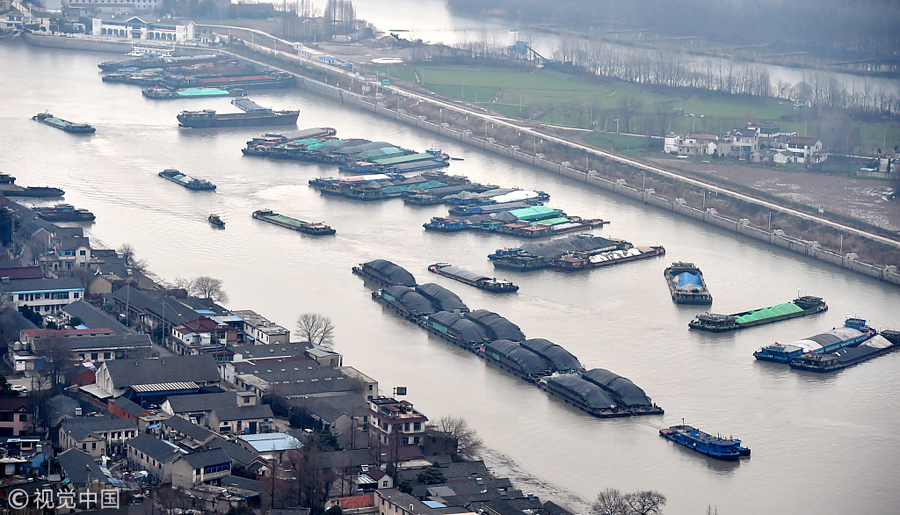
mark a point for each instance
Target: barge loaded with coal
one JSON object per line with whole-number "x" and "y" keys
{"x": 576, "y": 261}
{"x": 253, "y": 115}
{"x": 801, "y": 306}
{"x": 313, "y": 228}
{"x": 853, "y": 332}
{"x": 718, "y": 446}
{"x": 575, "y": 252}
{"x": 59, "y": 123}
{"x": 483, "y": 282}
{"x": 500, "y": 342}
{"x": 878, "y": 345}
{"x": 686, "y": 284}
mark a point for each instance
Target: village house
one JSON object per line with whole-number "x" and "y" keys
{"x": 258, "y": 330}
{"x": 156, "y": 456}
{"x": 200, "y": 467}
{"x": 806, "y": 150}
{"x": 157, "y": 377}
{"x": 15, "y": 416}
{"x": 44, "y": 296}
{"x": 198, "y": 408}
{"x": 96, "y": 436}
{"x": 395, "y": 428}
{"x": 394, "y": 502}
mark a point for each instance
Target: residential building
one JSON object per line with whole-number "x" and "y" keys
{"x": 743, "y": 142}
{"x": 185, "y": 434}
{"x": 81, "y": 469}
{"x": 394, "y": 425}
{"x": 237, "y": 420}
{"x": 806, "y": 150}
{"x": 140, "y": 29}
{"x": 200, "y": 467}
{"x": 394, "y": 502}
{"x": 157, "y": 377}
{"x": 97, "y": 435}
{"x": 191, "y": 337}
{"x": 92, "y": 317}
{"x": 122, "y": 407}
{"x": 15, "y": 416}
{"x": 199, "y": 408}
{"x": 294, "y": 380}
{"x": 44, "y": 296}
{"x": 259, "y": 330}
{"x": 153, "y": 455}
{"x": 272, "y": 445}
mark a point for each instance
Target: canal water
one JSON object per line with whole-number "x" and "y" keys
{"x": 821, "y": 444}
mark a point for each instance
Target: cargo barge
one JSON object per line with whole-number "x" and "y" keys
{"x": 483, "y": 282}
{"x": 59, "y": 123}
{"x": 853, "y": 332}
{"x": 537, "y": 256}
{"x": 159, "y": 62}
{"x": 880, "y": 344}
{"x": 191, "y": 183}
{"x": 802, "y": 306}
{"x": 686, "y": 284}
{"x": 313, "y": 228}
{"x": 158, "y": 93}
{"x": 718, "y": 447}
{"x": 253, "y": 115}
{"x": 577, "y": 261}
{"x": 8, "y": 188}
{"x": 501, "y": 343}
{"x": 64, "y": 213}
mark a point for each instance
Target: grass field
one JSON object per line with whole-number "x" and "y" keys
{"x": 556, "y": 98}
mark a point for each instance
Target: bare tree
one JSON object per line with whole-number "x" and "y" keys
{"x": 645, "y": 502}
{"x": 469, "y": 444}
{"x": 316, "y": 328}
{"x": 208, "y": 288}
{"x": 313, "y": 477}
{"x": 610, "y": 502}
{"x": 126, "y": 251}
{"x": 58, "y": 358}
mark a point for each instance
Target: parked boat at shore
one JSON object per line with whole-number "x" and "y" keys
{"x": 718, "y": 446}
{"x": 880, "y": 344}
{"x": 187, "y": 181}
{"x": 491, "y": 284}
{"x": 157, "y": 93}
{"x": 802, "y": 306}
{"x": 686, "y": 284}
{"x": 313, "y": 228}
{"x": 59, "y": 123}
{"x": 853, "y": 332}
{"x": 64, "y": 213}
{"x": 9, "y": 188}
{"x": 536, "y": 256}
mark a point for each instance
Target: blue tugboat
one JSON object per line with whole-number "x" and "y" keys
{"x": 440, "y": 224}
{"x": 718, "y": 447}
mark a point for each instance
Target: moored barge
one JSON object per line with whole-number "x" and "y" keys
{"x": 313, "y": 228}
{"x": 64, "y": 213}
{"x": 576, "y": 261}
{"x": 491, "y": 284}
{"x": 59, "y": 123}
{"x": 686, "y": 284}
{"x": 802, "y": 306}
{"x": 853, "y": 332}
{"x": 880, "y": 344}
{"x": 718, "y": 447}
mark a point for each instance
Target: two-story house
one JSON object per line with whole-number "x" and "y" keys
{"x": 44, "y": 296}
{"x": 200, "y": 467}
{"x": 155, "y": 377}
{"x": 153, "y": 455}
{"x": 97, "y": 435}
{"x": 394, "y": 426}
{"x": 806, "y": 149}
{"x": 15, "y": 416}
{"x": 258, "y": 330}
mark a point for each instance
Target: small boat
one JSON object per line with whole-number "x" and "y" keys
{"x": 491, "y": 284}
{"x": 686, "y": 284}
{"x": 215, "y": 220}
{"x": 188, "y": 182}
{"x": 718, "y": 447}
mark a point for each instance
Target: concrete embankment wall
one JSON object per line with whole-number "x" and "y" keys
{"x": 808, "y": 248}
{"x": 78, "y": 43}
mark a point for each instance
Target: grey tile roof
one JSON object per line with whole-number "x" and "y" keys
{"x": 188, "y": 428}
{"x": 80, "y": 427}
{"x": 116, "y": 341}
{"x": 237, "y": 453}
{"x": 94, "y": 317}
{"x": 228, "y": 413}
{"x": 202, "y": 402}
{"x": 241, "y": 483}
{"x": 157, "y": 449}
{"x": 80, "y": 467}
{"x": 129, "y": 406}
{"x": 200, "y": 368}
{"x": 331, "y": 408}
{"x": 64, "y": 283}
{"x": 205, "y": 458}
